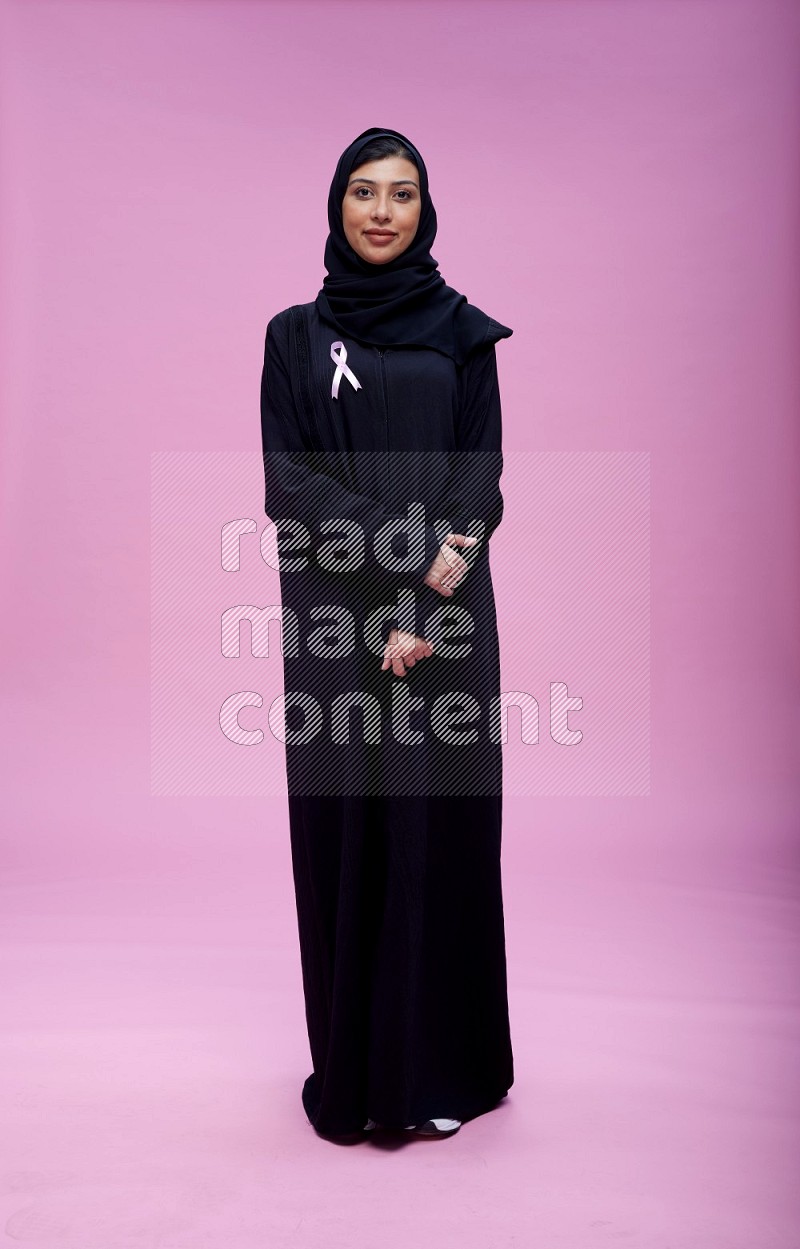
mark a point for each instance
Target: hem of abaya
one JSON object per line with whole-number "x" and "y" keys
{"x": 464, "y": 1111}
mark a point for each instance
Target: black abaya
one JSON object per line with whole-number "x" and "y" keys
{"x": 395, "y": 820}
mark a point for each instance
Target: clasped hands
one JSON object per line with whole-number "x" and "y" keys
{"x": 403, "y": 649}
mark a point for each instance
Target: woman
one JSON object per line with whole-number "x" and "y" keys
{"x": 381, "y": 432}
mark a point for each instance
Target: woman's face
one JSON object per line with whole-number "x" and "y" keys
{"x": 381, "y": 208}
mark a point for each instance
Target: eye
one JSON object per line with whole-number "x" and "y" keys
{"x": 408, "y": 194}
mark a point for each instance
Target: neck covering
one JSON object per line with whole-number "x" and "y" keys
{"x": 406, "y": 301}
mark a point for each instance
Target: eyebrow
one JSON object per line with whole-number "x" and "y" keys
{"x": 398, "y": 182}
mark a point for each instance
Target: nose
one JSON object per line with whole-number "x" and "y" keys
{"x": 381, "y": 210}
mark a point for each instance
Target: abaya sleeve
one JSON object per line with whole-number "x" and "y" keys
{"x": 472, "y": 491}
{"x": 295, "y": 490}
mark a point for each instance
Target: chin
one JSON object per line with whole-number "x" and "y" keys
{"x": 381, "y": 257}
{"x": 377, "y": 260}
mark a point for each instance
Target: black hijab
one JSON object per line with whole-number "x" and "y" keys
{"x": 406, "y": 301}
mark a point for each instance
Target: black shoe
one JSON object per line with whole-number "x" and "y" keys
{"x": 435, "y": 1127}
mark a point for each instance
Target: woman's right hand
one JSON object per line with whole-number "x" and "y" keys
{"x": 402, "y": 651}
{"x": 449, "y": 567}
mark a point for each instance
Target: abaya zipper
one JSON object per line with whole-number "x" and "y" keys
{"x": 382, "y": 352}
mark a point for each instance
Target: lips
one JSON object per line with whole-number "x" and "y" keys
{"x": 379, "y": 234}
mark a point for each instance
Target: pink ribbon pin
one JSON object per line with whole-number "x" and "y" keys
{"x": 339, "y": 358}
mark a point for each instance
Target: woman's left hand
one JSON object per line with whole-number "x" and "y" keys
{"x": 449, "y": 568}
{"x": 403, "y": 650}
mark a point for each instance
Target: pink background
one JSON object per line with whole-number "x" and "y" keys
{"x": 619, "y": 183}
